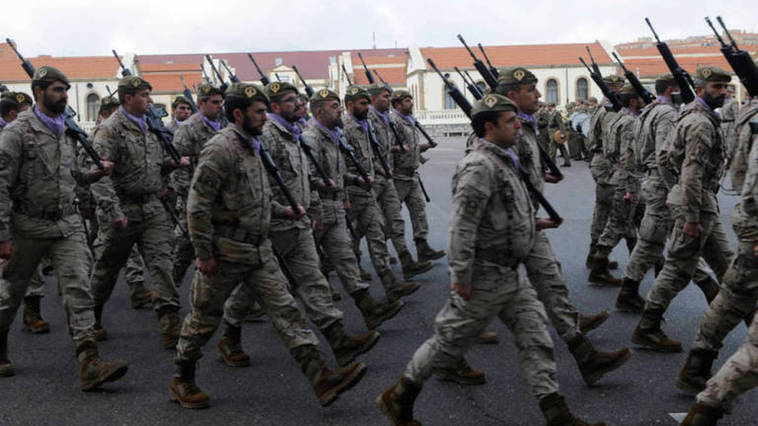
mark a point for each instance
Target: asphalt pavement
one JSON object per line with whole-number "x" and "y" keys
{"x": 272, "y": 390}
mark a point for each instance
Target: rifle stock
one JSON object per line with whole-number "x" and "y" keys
{"x": 607, "y": 92}
{"x": 188, "y": 94}
{"x": 738, "y": 59}
{"x": 480, "y": 66}
{"x": 308, "y": 88}
{"x": 347, "y": 76}
{"x": 366, "y": 70}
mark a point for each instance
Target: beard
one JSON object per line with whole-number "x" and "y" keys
{"x": 52, "y": 106}
{"x": 360, "y": 116}
{"x": 338, "y": 123}
{"x": 247, "y": 125}
{"x": 714, "y": 102}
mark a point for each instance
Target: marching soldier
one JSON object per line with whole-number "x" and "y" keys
{"x": 492, "y": 229}
{"x": 38, "y": 217}
{"x": 556, "y": 131}
{"x": 181, "y": 110}
{"x": 406, "y": 175}
{"x": 129, "y": 207}
{"x": 696, "y": 153}
{"x": 229, "y": 211}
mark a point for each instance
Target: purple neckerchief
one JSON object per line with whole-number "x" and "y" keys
{"x": 529, "y": 118}
{"x": 703, "y": 103}
{"x": 55, "y": 124}
{"x": 180, "y": 123}
{"x": 384, "y": 116}
{"x": 215, "y": 125}
{"x": 290, "y": 127}
{"x": 664, "y": 99}
{"x": 363, "y": 123}
{"x": 334, "y": 134}
{"x": 139, "y": 121}
{"x": 303, "y": 122}
{"x": 407, "y": 118}
{"x": 508, "y": 151}
{"x": 3, "y": 123}
{"x": 253, "y": 140}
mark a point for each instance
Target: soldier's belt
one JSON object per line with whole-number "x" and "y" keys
{"x": 497, "y": 256}
{"x": 334, "y": 196}
{"x": 50, "y": 214}
{"x": 405, "y": 171}
{"x": 239, "y": 234}
{"x": 136, "y": 198}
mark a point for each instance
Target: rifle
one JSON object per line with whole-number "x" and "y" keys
{"x": 110, "y": 93}
{"x": 485, "y": 72}
{"x": 188, "y": 94}
{"x": 309, "y": 152}
{"x": 423, "y": 132}
{"x": 635, "y": 82}
{"x": 377, "y": 149}
{"x": 348, "y": 151}
{"x": 471, "y": 87}
{"x": 376, "y": 73}
{"x": 154, "y": 120}
{"x": 738, "y": 59}
{"x": 607, "y": 92}
{"x": 273, "y": 170}
{"x": 223, "y": 86}
{"x": 347, "y": 76}
{"x": 265, "y": 80}
{"x": 423, "y": 190}
{"x": 682, "y": 77}
{"x": 453, "y": 91}
{"x": 232, "y": 76}
{"x": 72, "y": 128}
{"x": 174, "y": 218}
{"x": 308, "y": 88}
{"x": 205, "y": 76}
{"x": 493, "y": 70}
{"x": 365, "y": 69}
{"x": 276, "y": 74}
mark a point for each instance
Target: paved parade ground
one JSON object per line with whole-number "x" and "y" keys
{"x": 273, "y": 390}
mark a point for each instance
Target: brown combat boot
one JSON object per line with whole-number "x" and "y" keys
{"x": 33, "y": 322}
{"x": 629, "y": 299}
{"x": 588, "y": 323}
{"x": 374, "y": 314}
{"x": 92, "y": 370}
{"x": 140, "y": 297}
{"x": 649, "y": 334}
{"x": 462, "y": 374}
{"x": 702, "y": 415}
{"x": 696, "y": 371}
{"x": 599, "y": 273}
{"x": 327, "y": 384}
{"x": 100, "y": 332}
{"x": 170, "y": 327}
{"x": 183, "y": 390}
{"x": 557, "y": 413}
{"x": 230, "y": 347}
{"x": 396, "y": 289}
{"x": 411, "y": 268}
{"x": 346, "y": 347}
{"x": 397, "y": 402}
{"x": 6, "y": 366}
{"x": 594, "y": 364}
{"x": 487, "y": 338}
{"x": 710, "y": 288}
{"x": 425, "y": 253}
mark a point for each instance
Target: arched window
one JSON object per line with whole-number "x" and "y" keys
{"x": 551, "y": 91}
{"x": 582, "y": 89}
{"x": 449, "y": 102}
{"x": 92, "y": 106}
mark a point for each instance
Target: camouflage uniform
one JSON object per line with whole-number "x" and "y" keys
{"x": 189, "y": 140}
{"x": 729, "y": 113}
{"x": 601, "y": 170}
{"x": 738, "y": 145}
{"x": 556, "y": 123}
{"x": 543, "y": 118}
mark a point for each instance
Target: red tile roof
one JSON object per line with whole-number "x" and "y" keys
{"x": 649, "y": 63}
{"x": 169, "y": 82}
{"x": 395, "y": 76}
{"x": 75, "y": 68}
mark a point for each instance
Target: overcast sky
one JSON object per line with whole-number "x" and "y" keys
{"x": 86, "y": 27}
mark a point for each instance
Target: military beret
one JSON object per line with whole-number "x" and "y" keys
{"x": 668, "y": 78}
{"x": 400, "y": 94}
{"x": 377, "y": 88}
{"x": 324, "y": 94}
{"x": 109, "y": 101}
{"x": 277, "y": 89}
{"x": 355, "y": 91}
{"x": 713, "y": 74}
{"x": 493, "y": 103}
{"x": 250, "y": 91}
{"x": 134, "y": 82}
{"x": 613, "y": 79}
{"x": 18, "y": 99}
{"x": 205, "y": 90}
{"x": 515, "y": 75}
{"x": 50, "y": 74}
{"x": 180, "y": 99}
{"x": 628, "y": 89}
{"x": 592, "y": 99}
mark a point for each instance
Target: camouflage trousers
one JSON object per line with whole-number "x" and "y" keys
{"x": 184, "y": 251}
{"x": 264, "y": 281}
{"x": 622, "y": 221}
{"x": 683, "y": 256}
{"x": 554, "y": 147}
{"x": 153, "y": 236}
{"x": 389, "y": 203}
{"x": 654, "y": 230}
{"x": 545, "y": 275}
{"x": 368, "y": 222}
{"x": 496, "y": 292}
{"x": 409, "y": 192}
{"x": 296, "y": 252}
{"x": 36, "y": 283}
{"x": 134, "y": 273}
{"x": 337, "y": 244}
{"x": 603, "y": 204}
{"x": 71, "y": 259}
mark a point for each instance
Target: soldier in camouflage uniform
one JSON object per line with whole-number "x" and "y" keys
{"x": 293, "y": 241}
{"x": 38, "y": 217}
{"x": 696, "y": 152}
{"x": 542, "y": 116}
{"x": 189, "y": 140}
{"x": 229, "y": 210}
{"x": 406, "y": 175}
{"x": 181, "y": 110}
{"x": 129, "y": 207}
{"x": 555, "y": 123}
{"x": 735, "y": 302}
{"x": 492, "y": 229}
{"x": 364, "y": 212}
{"x": 729, "y": 113}
{"x": 384, "y": 186}
{"x": 601, "y": 171}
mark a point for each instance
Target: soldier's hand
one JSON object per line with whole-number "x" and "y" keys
{"x": 184, "y": 162}
{"x": 295, "y": 216}
{"x": 120, "y": 223}
{"x": 546, "y": 223}
{"x": 463, "y": 290}
{"x": 6, "y": 250}
{"x": 552, "y": 178}
{"x": 107, "y": 169}
{"x": 331, "y": 185}
{"x": 433, "y": 144}
{"x": 206, "y": 267}
{"x": 367, "y": 185}
{"x": 692, "y": 229}
{"x": 347, "y": 205}
{"x": 627, "y": 198}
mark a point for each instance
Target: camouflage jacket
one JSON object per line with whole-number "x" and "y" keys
{"x": 386, "y": 139}
{"x": 697, "y": 150}
{"x": 729, "y": 113}
{"x": 491, "y": 211}
{"x": 739, "y": 144}
{"x": 229, "y": 207}
{"x": 294, "y": 167}
{"x": 600, "y": 122}
{"x": 407, "y": 162}
{"x": 173, "y": 125}
{"x": 357, "y": 138}
{"x": 746, "y": 212}
{"x": 189, "y": 139}
{"x": 622, "y": 136}
{"x": 658, "y": 120}
{"x": 39, "y": 174}
{"x": 527, "y": 149}
{"x": 141, "y": 167}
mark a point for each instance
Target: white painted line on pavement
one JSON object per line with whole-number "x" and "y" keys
{"x": 679, "y": 417}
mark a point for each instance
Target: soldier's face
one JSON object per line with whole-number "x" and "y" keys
{"x": 714, "y": 93}
{"x": 55, "y": 97}
{"x": 254, "y": 118}
{"x": 381, "y": 101}
{"x": 527, "y": 98}
{"x": 210, "y": 107}
{"x": 405, "y": 106}
{"x": 288, "y": 106}
{"x": 330, "y": 113}
{"x": 505, "y": 132}
{"x": 138, "y": 103}
{"x": 360, "y": 108}
{"x": 183, "y": 111}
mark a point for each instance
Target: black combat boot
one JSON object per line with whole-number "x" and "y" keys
{"x": 230, "y": 347}
{"x": 649, "y": 334}
{"x": 397, "y": 402}
{"x": 426, "y": 253}
{"x": 327, "y": 384}
{"x": 374, "y": 313}
{"x": 183, "y": 389}
{"x": 696, "y": 371}
{"x": 599, "y": 273}
{"x": 702, "y": 415}
{"x": 346, "y": 347}
{"x": 629, "y": 299}
{"x": 33, "y": 322}
{"x": 594, "y": 364}
{"x": 557, "y": 413}
{"x": 412, "y": 268}
{"x": 6, "y": 366}
{"x": 92, "y": 370}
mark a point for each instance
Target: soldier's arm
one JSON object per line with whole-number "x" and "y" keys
{"x": 470, "y": 198}
{"x": 697, "y": 148}
{"x": 11, "y": 150}
{"x": 279, "y": 155}
{"x": 182, "y": 177}
{"x": 204, "y": 190}
{"x": 626, "y": 162}
{"x": 106, "y": 144}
